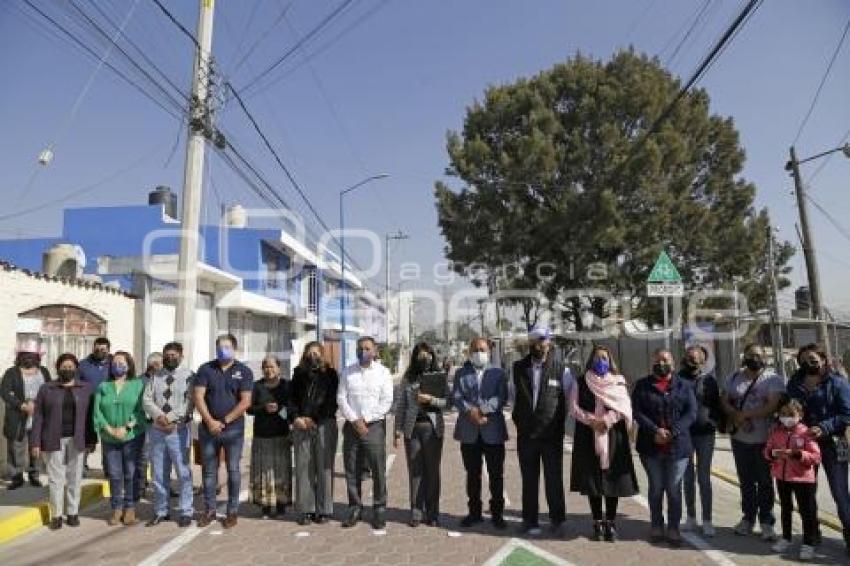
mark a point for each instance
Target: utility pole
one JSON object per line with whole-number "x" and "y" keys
{"x": 199, "y": 122}
{"x": 397, "y": 236}
{"x": 776, "y": 322}
{"x": 809, "y": 253}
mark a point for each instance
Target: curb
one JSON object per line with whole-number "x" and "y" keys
{"x": 826, "y": 519}
{"x": 38, "y": 514}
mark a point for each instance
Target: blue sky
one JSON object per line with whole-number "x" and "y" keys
{"x": 382, "y": 96}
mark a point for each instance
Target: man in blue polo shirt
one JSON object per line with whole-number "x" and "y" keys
{"x": 94, "y": 370}
{"x": 222, "y": 395}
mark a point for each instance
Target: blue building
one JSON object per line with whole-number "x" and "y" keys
{"x": 272, "y": 290}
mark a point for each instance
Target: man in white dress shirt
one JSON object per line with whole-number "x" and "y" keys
{"x": 365, "y": 396}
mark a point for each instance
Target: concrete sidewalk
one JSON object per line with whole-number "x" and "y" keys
{"x": 723, "y": 466}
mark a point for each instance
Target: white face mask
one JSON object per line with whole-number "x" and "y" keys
{"x": 480, "y": 359}
{"x": 789, "y": 422}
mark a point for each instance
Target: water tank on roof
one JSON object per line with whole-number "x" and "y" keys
{"x": 65, "y": 261}
{"x": 236, "y": 216}
{"x": 163, "y": 195}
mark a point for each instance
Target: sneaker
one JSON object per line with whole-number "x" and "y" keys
{"x": 610, "y": 532}
{"x": 781, "y": 546}
{"x": 744, "y": 528}
{"x": 708, "y": 529}
{"x": 807, "y": 552}
{"x": 690, "y": 524}
{"x": 767, "y": 533}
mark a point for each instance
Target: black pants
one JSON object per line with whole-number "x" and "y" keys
{"x": 424, "y": 451}
{"x": 805, "y": 493}
{"x": 372, "y": 448}
{"x": 494, "y": 455}
{"x": 596, "y": 507}
{"x": 549, "y": 451}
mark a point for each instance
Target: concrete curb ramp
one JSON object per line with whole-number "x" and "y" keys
{"x": 37, "y": 514}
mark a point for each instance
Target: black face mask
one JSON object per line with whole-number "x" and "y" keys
{"x": 691, "y": 367}
{"x": 315, "y": 362}
{"x": 27, "y": 363}
{"x": 811, "y": 369}
{"x": 753, "y": 364}
{"x": 67, "y": 375}
{"x": 170, "y": 365}
{"x": 661, "y": 369}
{"x": 423, "y": 363}
{"x": 99, "y": 356}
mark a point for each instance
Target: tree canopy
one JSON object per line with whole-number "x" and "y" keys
{"x": 563, "y": 182}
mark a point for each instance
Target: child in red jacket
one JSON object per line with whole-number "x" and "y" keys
{"x": 793, "y": 455}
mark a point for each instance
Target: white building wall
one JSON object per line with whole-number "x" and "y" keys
{"x": 22, "y": 292}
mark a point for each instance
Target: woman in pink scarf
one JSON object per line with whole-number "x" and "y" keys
{"x": 602, "y": 465}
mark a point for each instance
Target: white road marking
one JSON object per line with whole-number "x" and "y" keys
{"x": 694, "y": 540}
{"x": 174, "y": 545}
{"x": 514, "y": 543}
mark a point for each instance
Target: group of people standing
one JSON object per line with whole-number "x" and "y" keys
{"x": 780, "y": 434}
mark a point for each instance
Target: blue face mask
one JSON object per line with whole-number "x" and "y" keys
{"x": 364, "y": 357}
{"x": 119, "y": 369}
{"x": 601, "y": 367}
{"x": 224, "y": 353}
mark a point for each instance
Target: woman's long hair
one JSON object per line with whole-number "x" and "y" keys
{"x": 611, "y": 362}
{"x": 414, "y": 355}
{"x": 304, "y": 362}
{"x": 131, "y": 364}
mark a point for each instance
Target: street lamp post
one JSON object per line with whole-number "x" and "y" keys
{"x": 342, "y": 194}
{"x": 793, "y": 166}
{"x": 397, "y": 236}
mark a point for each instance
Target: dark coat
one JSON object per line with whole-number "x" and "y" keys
{"x": 676, "y": 410}
{"x": 548, "y": 419}
{"x": 12, "y": 392}
{"x": 47, "y": 420}
{"x": 408, "y": 407}
{"x": 827, "y": 407}
{"x": 709, "y": 410}
{"x": 313, "y": 394}
{"x": 586, "y": 477}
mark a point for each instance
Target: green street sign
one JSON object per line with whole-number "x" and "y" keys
{"x": 664, "y": 271}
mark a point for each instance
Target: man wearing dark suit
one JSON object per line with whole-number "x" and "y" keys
{"x": 480, "y": 393}
{"x": 540, "y": 386}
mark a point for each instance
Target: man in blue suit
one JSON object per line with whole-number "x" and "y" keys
{"x": 480, "y": 393}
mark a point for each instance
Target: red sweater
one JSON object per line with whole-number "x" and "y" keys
{"x": 800, "y": 467}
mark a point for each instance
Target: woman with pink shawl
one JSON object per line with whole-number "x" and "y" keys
{"x": 602, "y": 459}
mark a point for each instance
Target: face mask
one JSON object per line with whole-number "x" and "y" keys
{"x": 661, "y": 369}
{"x": 753, "y": 364}
{"x": 789, "y": 422}
{"x": 364, "y": 358}
{"x": 315, "y": 362}
{"x": 480, "y": 359}
{"x": 691, "y": 367}
{"x": 224, "y": 353}
{"x": 28, "y": 362}
{"x": 423, "y": 363}
{"x": 537, "y": 351}
{"x": 170, "y": 365}
{"x": 99, "y": 356}
{"x": 811, "y": 369}
{"x": 67, "y": 375}
{"x": 119, "y": 369}
{"x": 601, "y": 367}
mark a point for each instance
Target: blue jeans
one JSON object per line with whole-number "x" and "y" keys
{"x": 121, "y": 460}
{"x": 665, "y": 476}
{"x": 142, "y": 467}
{"x": 757, "y": 493}
{"x": 231, "y": 441}
{"x": 836, "y": 477}
{"x": 699, "y": 472}
{"x": 168, "y": 449}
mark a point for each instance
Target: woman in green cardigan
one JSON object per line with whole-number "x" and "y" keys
{"x": 120, "y": 422}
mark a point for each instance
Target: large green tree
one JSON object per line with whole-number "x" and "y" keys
{"x": 561, "y": 169}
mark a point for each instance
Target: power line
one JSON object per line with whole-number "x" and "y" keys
{"x": 261, "y": 38}
{"x": 288, "y": 53}
{"x": 841, "y": 230}
{"x": 822, "y": 82}
{"x": 90, "y": 51}
{"x": 688, "y": 33}
{"x": 829, "y": 157}
{"x": 177, "y": 23}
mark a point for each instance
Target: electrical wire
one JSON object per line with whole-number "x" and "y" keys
{"x": 822, "y": 82}
{"x": 688, "y": 33}
{"x": 326, "y": 21}
{"x": 261, "y": 38}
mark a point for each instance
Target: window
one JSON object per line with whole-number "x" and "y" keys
{"x": 56, "y": 329}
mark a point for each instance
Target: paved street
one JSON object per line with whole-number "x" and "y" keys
{"x": 258, "y": 541}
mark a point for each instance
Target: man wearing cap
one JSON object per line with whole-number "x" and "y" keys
{"x": 540, "y": 385}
